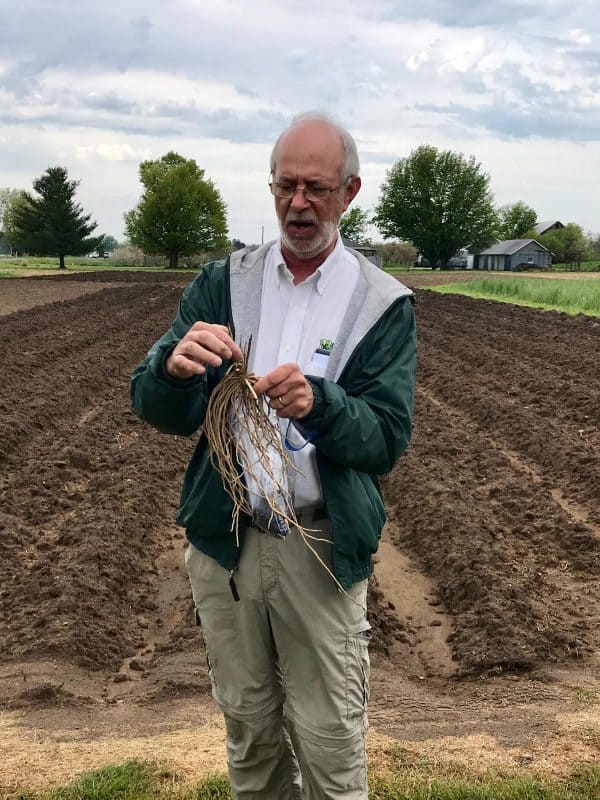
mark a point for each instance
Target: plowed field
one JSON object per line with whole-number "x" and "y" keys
{"x": 486, "y": 604}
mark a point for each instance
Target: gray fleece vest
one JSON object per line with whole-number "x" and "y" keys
{"x": 375, "y": 292}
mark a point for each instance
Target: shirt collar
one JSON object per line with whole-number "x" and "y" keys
{"x": 278, "y": 264}
{"x": 324, "y": 273}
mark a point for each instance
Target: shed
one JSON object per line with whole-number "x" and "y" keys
{"x": 514, "y": 255}
{"x": 548, "y": 225}
{"x": 366, "y": 250}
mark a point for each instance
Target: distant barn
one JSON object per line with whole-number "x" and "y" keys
{"x": 364, "y": 249}
{"x": 548, "y": 225}
{"x": 514, "y": 255}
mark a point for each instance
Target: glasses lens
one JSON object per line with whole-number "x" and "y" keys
{"x": 316, "y": 194}
{"x": 282, "y": 189}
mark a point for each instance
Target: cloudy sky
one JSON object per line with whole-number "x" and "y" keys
{"x": 98, "y": 87}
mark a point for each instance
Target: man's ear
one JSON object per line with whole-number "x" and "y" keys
{"x": 352, "y": 189}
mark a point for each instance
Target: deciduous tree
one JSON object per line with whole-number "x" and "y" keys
{"x": 107, "y": 244}
{"x": 180, "y": 212}
{"x": 593, "y": 249}
{"x": 353, "y": 225}
{"x": 567, "y": 244}
{"x": 50, "y": 223}
{"x": 515, "y": 220}
{"x": 8, "y": 197}
{"x": 402, "y": 253}
{"x": 439, "y": 200}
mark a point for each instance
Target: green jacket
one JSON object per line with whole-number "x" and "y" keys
{"x": 361, "y": 417}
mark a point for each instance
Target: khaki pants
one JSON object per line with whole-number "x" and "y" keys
{"x": 289, "y": 667}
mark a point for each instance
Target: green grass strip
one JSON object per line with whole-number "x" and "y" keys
{"x": 131, "y": 781}
{"x": 143, "y": 781}
{"x": 570, "y": 296}
{"x": 14, "y": 267}
{"x": 580, "y": 787}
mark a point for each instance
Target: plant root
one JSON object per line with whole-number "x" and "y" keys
{"x": 234, "y": 406}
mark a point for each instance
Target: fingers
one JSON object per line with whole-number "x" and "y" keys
{"x": 203, "y": 345}
{"x": 271, "y": 384}
{"x": 288, "y": 391}
{"x": 218, "y": 340}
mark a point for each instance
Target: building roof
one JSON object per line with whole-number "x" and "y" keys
{"x": 362, "y": 248}
{"x": 542, "y": 227}
{"x": 510, "y": 246}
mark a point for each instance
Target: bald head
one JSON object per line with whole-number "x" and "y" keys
{"x": 315, "y": 129}
{"x": 311, "y": 185}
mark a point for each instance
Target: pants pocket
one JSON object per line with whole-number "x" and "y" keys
{"x": 357, "y": 669}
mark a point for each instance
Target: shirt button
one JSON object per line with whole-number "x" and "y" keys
{"x": 287, "y": 348}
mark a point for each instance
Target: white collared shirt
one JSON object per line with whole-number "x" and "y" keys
{"x": 294, "y": 321}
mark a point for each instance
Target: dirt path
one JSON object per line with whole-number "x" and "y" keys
{"x": 17, "y": 295}
{"x": 407, "y": 589}
{"x": 486, "y": 601}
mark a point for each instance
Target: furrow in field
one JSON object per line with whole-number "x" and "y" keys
{"x": 532, "y": 413}
{"x": 60, "y": 377}
{"x": 494, "y": 544}
{"x": 84, "y": 506}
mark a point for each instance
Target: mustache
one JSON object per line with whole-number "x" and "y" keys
{"x": 300, "y": 217}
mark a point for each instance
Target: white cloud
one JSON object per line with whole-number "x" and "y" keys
{"x": 112, "y": 151}
{"x": 580, "y": 37}
{"x": 418, "y": 59}
{"x": 463, "y": 55}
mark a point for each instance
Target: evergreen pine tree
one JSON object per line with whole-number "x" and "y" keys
{"x": 52, "y": 223}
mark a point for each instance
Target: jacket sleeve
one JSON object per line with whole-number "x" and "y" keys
{"x": 168, "y": 404}
{"x": 367, "y": 425}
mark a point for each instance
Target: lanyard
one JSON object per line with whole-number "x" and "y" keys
{"x": 291, "y": 446}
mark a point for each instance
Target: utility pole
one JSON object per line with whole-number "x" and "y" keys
{"x": 262, "y": 234}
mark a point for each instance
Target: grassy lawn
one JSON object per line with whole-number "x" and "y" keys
{"x": 143, "y": 781}
{"x": 31, "y": 266}
{"x": 588, "y": 266}
{"x": 398, "y": 269}
{"x": 580, "y": 296}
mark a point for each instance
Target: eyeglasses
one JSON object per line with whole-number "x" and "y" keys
{"x": 313, "y": 192}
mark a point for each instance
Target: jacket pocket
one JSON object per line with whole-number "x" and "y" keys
{"x": 205, "y": 508}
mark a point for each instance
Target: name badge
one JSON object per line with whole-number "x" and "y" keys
{"x": 319, "y": 361}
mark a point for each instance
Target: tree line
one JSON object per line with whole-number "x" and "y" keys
{"x": 434, "y": 202}
{"x": 440, "y": 201}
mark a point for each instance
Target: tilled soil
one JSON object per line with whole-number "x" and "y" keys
{"x": 497, "y": 499}
{"x": 87, "y": 491}
{"x": 491, "y": 553}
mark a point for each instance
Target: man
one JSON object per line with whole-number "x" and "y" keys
{"x": 334, "y": 348}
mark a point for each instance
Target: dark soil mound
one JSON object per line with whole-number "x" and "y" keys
{"x": 172, "y": 277}
{"x": 497, "y": 498}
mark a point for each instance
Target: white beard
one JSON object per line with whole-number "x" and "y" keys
{"x": 308, "y": 248}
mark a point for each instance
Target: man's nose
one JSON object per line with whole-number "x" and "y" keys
{"x": 299, "y": 200}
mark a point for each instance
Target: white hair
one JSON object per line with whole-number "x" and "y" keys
{"x": 351, "y": 163}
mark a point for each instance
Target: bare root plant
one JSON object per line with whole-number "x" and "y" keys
{"x": 234, "y": 406}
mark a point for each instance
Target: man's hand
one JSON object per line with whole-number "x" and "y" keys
{"x": 289, "y": 392}
{"x": 203, "y": 344}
